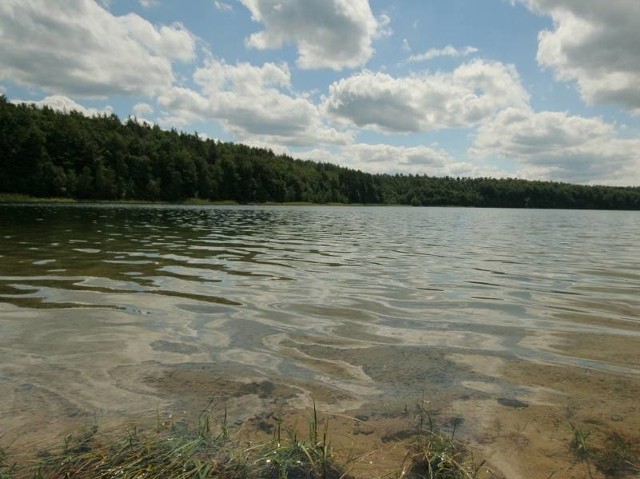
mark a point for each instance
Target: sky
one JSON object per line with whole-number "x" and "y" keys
{"x": 534, "y": 89}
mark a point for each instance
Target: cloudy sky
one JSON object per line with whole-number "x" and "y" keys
{"x": 538, "y": 89}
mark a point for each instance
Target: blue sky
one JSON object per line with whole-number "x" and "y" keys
{"x": 537, "y": 89}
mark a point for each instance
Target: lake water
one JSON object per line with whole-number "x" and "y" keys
{"x": 121, "y": 310}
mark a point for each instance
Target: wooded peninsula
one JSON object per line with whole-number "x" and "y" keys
{"x": 46, "y": 153}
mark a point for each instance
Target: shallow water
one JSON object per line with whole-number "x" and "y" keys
{"x": 108, "y": 309}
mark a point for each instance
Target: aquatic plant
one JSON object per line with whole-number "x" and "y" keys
{"x": 436, "y": 455}
{"x": 6, "y": 469}
{"x": 295, "y": 458}
{"x": 578, "y": 444}
{"x": 617, "y": 456}
{"x": 173, "y": 450}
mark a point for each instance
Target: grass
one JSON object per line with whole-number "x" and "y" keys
{"x": 209, "y": 450}
{"x": 6, "y": 470}
{"x": 295, "y": 458}
{"x": 579, "y": 442}
{"x": 617, "y": 456}
{"x": 620, "y": 456}
{"x": 178, "y": 452}
{"x": 436, "y": 455}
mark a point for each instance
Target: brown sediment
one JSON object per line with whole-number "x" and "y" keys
{"x": 372, "y": 438}
{"x": 622, "y": 350}
{"x": 517, "y": 414}
{"x": 534, "y": 442}
{"x": 618, "y": 317}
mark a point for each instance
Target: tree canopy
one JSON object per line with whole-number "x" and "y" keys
{"x": 47, "y": 153}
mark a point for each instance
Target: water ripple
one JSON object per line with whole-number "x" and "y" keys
{"x": 300, "y": 293}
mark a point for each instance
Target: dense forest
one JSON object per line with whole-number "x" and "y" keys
{"x": 46, "y": 153}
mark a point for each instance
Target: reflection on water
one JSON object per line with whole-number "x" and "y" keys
{"x": 351, "y": 304}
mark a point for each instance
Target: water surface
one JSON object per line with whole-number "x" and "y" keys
{"x": 122, "y": 309}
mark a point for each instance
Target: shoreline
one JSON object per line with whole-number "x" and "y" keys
{"x": 12, "y": 199}
{"x": 497, "y": 438}
{"x": 324, "y": 445}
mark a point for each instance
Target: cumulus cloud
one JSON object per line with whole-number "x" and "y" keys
{"x": 595, "y": 44}
{"x": 465, "y": 97}
{"x": 78, "y": 48}
{"x": 391, "y": 159}
{"x": 65, "y": 104}
{"x": 448, "y": 51}
{"x": 327, "y": 33}
{"x": 561, "y": 146}
{"x": 383, "y": 158}
{"x": 252, "y": 102}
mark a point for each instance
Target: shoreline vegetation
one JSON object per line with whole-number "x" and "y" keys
{"x": 22, "y": 199}
{"x": 56, "y": 156}
{"x": 211, "y": 447}
{"x": 17, "y": 199}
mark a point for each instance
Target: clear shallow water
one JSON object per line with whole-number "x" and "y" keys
{"x": 349, "y": 304}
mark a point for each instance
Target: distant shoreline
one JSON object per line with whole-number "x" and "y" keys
{"x": 14, "y": 199}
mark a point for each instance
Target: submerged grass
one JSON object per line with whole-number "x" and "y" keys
{"x": 7, "y": 470}
{"x": 615, "y": 456}
{"x": 296, "y": 458}
{"x": 208, "y": 450}
{"x": 434, "y": 454}
{"x": 177, "y": 451}
{"x": 579, "y": 442}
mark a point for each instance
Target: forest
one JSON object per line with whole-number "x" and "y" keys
{"x": 46, "y": 153}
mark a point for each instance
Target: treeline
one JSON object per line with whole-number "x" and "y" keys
{"x": 45, "y": 153}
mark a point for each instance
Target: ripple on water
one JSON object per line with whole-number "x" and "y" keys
{"x": 347, "y": 304}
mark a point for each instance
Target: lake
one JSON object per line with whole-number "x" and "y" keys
{"x": 515, "y": 321}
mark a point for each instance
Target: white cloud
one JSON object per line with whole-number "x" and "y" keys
{"x": 327, "y": 33}
{"x": 383, "y": 158}
{"x": 594, "y": 43}
{"x": 560, "y": 146}
{"x": 174, "y": 42}
{"x": 65, "y": 104}
{"x": 448, "y": 51}
{"x": 149, "y": 3}
{"x": 79, "y": 48}
{"x": 141, "y": 109}
{"x": 392, "y": 159}
{"x": 222, "y": 6}
{"x": 254, "y": 103}
{"x": 470, "y": 94}
{"x": 384, "y": 26}
{"x": 141, "y": 121}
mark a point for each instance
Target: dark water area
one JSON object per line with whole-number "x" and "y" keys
{"x": 121, "y": 310}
